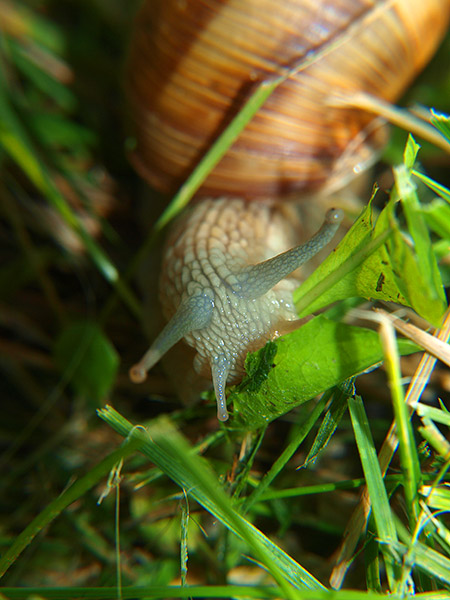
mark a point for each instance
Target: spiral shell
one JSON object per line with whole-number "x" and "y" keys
{"x": 195, "y": 62}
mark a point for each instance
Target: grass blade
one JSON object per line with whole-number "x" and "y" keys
{"x": 381, "y": 510}
{"x": 167, "y": 448}
{"x": 408, "y": 450}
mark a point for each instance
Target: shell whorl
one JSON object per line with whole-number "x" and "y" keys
{"x": 193, "y": 65}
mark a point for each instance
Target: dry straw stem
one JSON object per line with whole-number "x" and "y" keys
{"x": 419, "y": 124}
{"x": 430, "y": 343}
{"x": 358, "y": 521}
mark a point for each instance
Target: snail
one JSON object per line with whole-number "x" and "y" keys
{"x": 193, "y": 63}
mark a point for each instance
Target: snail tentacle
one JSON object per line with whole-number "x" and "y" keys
{"x": 256, "y": 280}
{"x": 220, "y": 368}
{"x": 194, "y": 313}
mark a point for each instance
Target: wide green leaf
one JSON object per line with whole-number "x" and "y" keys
{"x": 297, "y": 367}
{"x": 359, "y": 267}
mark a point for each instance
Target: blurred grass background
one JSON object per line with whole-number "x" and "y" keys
{"x": 69, "y": 225}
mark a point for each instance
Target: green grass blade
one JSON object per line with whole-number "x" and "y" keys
{"x": 436, "y": 414}
{"x": 330, "y": 421}
{"x": 167, "y": 448}
{"x": 424, "y": 254}
{"x": 372, "y": 561}
{"x": 150, "y": 591}
{"x": 194, "y": 591}
{"x": 426, "y": 559}
{"x": 287, "y": 453}
{"x": 216, "y": 151}
{"x": 438, "y": 497}
{"x": 441, "y": 122}
{"x": 438, "y": 188}
{"x": 381, "y": 510}
{"x": 38, "y": 28}
{"x": 408, "y": 450}
{"x": 322, "y": 488}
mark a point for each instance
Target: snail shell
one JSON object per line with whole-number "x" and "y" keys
{"x": 192, "y": 66}
{"x": 195, "y": 62}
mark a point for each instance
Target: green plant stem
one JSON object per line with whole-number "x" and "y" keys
{"x": 287, "y": 453}
{"x": 324, "y": 488}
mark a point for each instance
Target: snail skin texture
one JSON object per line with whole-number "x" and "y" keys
{"x": 193, "y": 63}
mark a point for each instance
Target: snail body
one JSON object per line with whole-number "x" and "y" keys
{"x": 192, "y": 66}
{"x": 218, "y": 297}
